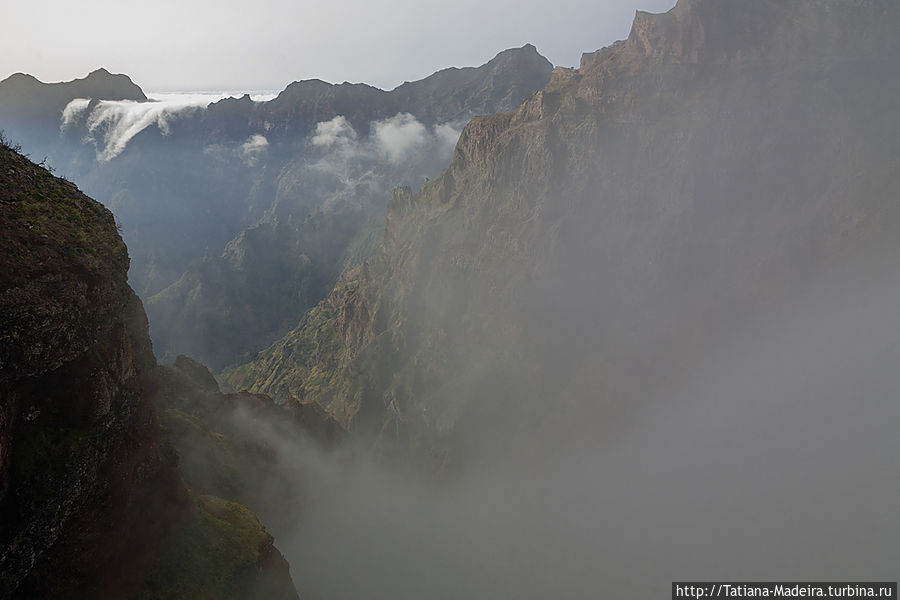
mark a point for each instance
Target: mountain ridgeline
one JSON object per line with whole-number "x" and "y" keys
{"x": 587, "y": 247}
{"x": 240, "y": 215}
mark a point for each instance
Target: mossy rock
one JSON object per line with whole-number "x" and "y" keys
{"x": 220, "y": 552}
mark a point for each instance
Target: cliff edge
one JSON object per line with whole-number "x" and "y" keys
{"x": 91, "y": 501}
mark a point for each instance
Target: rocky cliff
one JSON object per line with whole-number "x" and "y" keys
{"x": 581, "y": 248}
{"x": 91, "y": 501}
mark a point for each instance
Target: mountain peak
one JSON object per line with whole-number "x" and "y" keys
{"x": 714, "y": 31}
{"x": 102, "y": 84}
{"x": 525, "y": 49}
{"x": 20, "y": 78}
{"x": 526, "y": 52}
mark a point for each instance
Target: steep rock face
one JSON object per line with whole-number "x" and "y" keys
{"x": 77, "y": 425}
{"x": 578, "y": 249}
{"x": 89, "y": 497}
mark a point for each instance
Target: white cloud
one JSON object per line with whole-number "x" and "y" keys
{"x": 398, "y": 137}
{"x": 336, "y": 131}
{"x": 73, "y": 111}
{"x": 207, "y": 98}
{"x": 113, "y": 123}
{"x": 400, "y": 143}
{"x": 254, "y": 148}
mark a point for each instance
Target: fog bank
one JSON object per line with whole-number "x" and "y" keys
{"x": 772, "y": 459}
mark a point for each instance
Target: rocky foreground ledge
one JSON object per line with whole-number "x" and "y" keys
{"x": 91, "y": 500}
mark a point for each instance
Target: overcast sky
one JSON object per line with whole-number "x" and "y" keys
{"x": 266, "y": 44}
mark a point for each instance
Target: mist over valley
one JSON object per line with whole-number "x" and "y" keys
{"x": 507, "y": 331}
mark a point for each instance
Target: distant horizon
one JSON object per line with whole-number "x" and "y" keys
{"x": 215, "y": 95}
{"x": 197, "y": 45}
{"x": 234, "y": 90}
{"x": 239, "y": 90}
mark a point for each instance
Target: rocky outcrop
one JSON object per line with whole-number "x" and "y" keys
{"x": 77, "y": 423}
{"x": 90, "y": 495}
{"x": 581, "y": 247}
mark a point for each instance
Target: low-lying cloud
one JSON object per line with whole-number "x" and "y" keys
{"x": 253, "y": 149}
{"x": 401, "y": 141}
{"x": 400, "y": 136}
{"x": 337, "y": 131}
{"x": 773, "y": 459}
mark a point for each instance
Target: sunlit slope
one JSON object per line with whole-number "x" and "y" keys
{"x": 579, "y": 249}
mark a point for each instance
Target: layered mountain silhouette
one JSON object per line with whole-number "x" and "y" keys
{"x": 239, "y": 216}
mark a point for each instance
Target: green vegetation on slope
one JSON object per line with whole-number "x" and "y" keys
{"x": 220, "y": 552}
{"x": 47, "y": 222}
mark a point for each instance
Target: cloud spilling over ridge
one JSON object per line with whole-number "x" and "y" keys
{"x": 111, "y": 124}
{"x": 74, "y": 110}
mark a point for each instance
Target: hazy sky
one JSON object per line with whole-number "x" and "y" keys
{"x": 207, "y": 44}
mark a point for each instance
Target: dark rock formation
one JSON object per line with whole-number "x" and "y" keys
{"x": 91, "y": 502}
